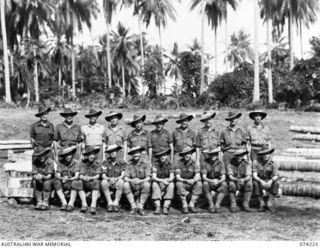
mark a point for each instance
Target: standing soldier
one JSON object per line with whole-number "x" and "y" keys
{"x": 42, "y": 170}
{"x": 183, "y": 136}
{"x": 116, "y": 134}
{"x": 258, "y": 134}
{"x": 112, "y": 175}
{"x": 42, "y": 132}
{"x": 207, "y": 137}
{"x": 214, "y": 179}
{"x": 265, "y": 175}
{"x": 162, "y": 185}
{"x": 188, "y": 180}
{"x": 90, "y": 171}
{"x": 68, "y": 133}
{"x": 161, "y": 139}
{"x": 137, "y": 181}
{"x": 93, "y": 134}
{"x": 67, "y": 177}
{"x": 139, "y": 136}
{"x": 232, "y": 138}
{"x": 240, "y": 179}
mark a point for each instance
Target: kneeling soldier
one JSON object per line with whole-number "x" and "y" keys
{"x": 214, "y": 178}
{"x": 113, "y": 169}
{"x": 162, "y": 177}
{"x": 265, "y": 175}
{"x": 240, "y": 179}
{"x": 90, "y": 170}
{"x": 42, "y": 170}
{"x": 67, "y": 176}
{"x": 137, "y": 180}
{"x": 188, "y": 180}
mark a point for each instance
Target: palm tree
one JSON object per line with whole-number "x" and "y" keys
{"x": 76, "y": 13}
{"x": 161, "y": 10}
{"x": 195, "y": 47}
{"x": 173, "y": 66}
{"x": 123, "y": 52}
{"x": 109, "y": 7}
{"x": 239, "y": 50}
{"x": 256, "y": 86}
{"x": 3, "y": 5}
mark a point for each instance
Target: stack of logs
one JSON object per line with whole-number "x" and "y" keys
{"x": 300, "y": 167}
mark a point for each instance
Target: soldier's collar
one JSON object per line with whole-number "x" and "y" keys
{"x": 68, "y": 126}
{"x": 183, "y": 131}
{"x": 142, "y": 131}
{"x": 235, "y": 128}
{"x": 116, "y": 128}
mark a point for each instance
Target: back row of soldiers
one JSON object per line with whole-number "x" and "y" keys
{"x": 142, "y": 163}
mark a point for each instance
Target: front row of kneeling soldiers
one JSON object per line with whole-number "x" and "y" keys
{"x": 137, "y": 180}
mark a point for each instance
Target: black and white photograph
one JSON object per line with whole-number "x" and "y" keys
{"x": 159, "y": 120}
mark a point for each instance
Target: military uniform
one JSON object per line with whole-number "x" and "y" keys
{"x": 181, "y": 140}
{"x": 207, "y": 139}
{"x": 160, "y": 141}
{"x": 89, "y": 169}
{"x": 118, "y": 136}
{"x": 258, "y": 138}
{"x": 141, "y": 139}
{"x": 68, "y": 170}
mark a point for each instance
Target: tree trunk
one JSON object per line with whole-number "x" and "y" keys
{"x": 215, "y": 52}
{"x": 202, "y": 46}
{"x": 162, "y": 64}
{"x": 256, "y": 90}
{"x": 290, "y": 30}
{"x": 129, "y": 89}
{"x": 59, "y": 79}
{"x": 36, "y": 79}
{"x": 73, "y": 71}
{"x": 5, "y": 53}
{"x": 226, "y": 39}
{"x": 270, "y": 86}
{"x": 123, "y": 82}
{"x": 301, "y": 43}
{"x": 142, "y": 52}
{"x": 109, "y": 56}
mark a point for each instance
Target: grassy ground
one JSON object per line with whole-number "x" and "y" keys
{"x": 296, "y": 217}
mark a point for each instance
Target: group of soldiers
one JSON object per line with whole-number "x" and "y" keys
{"x": 112, "y": 162}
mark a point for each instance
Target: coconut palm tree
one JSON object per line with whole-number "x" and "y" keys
{"x": 5, "y": 5}
{"x": 160, "y": 10}
{"x": 123, "y": 53}
{"x": 109, "y": 7}
{"x": 172, "y": 68}
{"x": 239, "y": 49}
{"x": 256, "y": 86}
{"x": 76, "y": 13}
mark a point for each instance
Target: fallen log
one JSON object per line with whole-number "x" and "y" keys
{"x": 14, "y": 142}
{"x": 301, "y": 189}
{"x": 305, "y": 129}
{"x": 309, "y": 137}
{"x": 304, "y": 151}
{"x": 292, "y": 164}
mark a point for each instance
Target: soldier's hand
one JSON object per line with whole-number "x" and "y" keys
{"x": 215, "y": 182}
{"x": 165, "y": 181}
{"x": 268, "y": 184}
{"x": 136, "y": 181}
{"x": 191, "y": 181}
{"x": 241, "y": 181}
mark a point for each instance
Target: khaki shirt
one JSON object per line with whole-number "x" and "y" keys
{"x": 213, "y": 169}
{"x": 141, "y": 139}
{"x": 68, "y": 170}
{"x": 117, "y": 135}
{"x": 183, "y": 139}
{"x": 93, "y": 135}
{"x": 163, "y": 170}
{"x": 139, "y": 170}
{"x": 208, "y": 138}
{"x": 258, "y": 135}
{"x": 231, "y": 138}
{"x": 113, "y": 170}
{"x": 241, "y": 171}
{"x": 90, "y": 169}
{"x": 160, "y": 140}
{"x": 42, "y": 134}
{"x": 187, "y": 170}
{"x": 266, "y": 171}
{"x": 45, "y": 168}
{"x": 67, "y": 135}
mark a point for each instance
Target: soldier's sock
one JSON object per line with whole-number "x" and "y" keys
{"x": 209, "y": 199}
{"x": 82, "y": 196}
{"x": 193, "y": 201}
{"x": 261, "y": 202}
{"x": 117, "y": 197}
{"x": 73, "y": 196}
{"x": 46, "y": 197}
{"x": 219, "y": 199}
{"x": 184, "y": 201}
{"x": 232, "y": 200}
{"x": 94, "y": 198}
{"x": 157, "y": 203}
{"x": 271, "y": 200}
{"x": 246, "y": 199}
{"x": 167, "y": 203}
{"x": 131, "y": 200}
{"x": 108, "y": 196}
{"x": 38, "y": 195}
{"x": 61, "y": 197}
{"x": 143, "y": 199}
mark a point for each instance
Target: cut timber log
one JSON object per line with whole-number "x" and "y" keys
{"x": 292, "y": 164}
{"x": 293, "y": 155}
{"x": 305, "y": 129}
{"x": 301, "y": 189}
{"x": 310, "y": 137}
{"x": 303, "y": 151}
{"x": 14, "y": 142}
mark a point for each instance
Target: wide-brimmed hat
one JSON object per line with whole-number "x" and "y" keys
{"x": 159, "y": 119}
{"x": 136, "y": 149}
{"x": 259, "y": 112}
{"x": 137, "y": 118}
{"x": 68, "y": 112}
{"x": 67, "y": 151}
{"x": 266, "y": 150}
{"x": 187, "y": 150}
{"x": 212, "y": 151}
{"x": 93, "y": 112}
{"x": 42, "y": 109}
{"x": 232, "y": 115}
{"x": 163, "y": 152}
{"x": 240, "y": 152}
{"x": 207, "y": 116}
{"x": 112, "y": 148}
{"x": 113, "y": 114}
{"x": 90, "y": 149}
{"x": 184, "y": 117}
{"x": 40, "y": 151}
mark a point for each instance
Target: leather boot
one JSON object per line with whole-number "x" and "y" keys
{"x": 270, "y": 203}
{"x": 220, "y": 197}
{"x": 38, "y": 195}
{"x": 233, "y": 204}
{"x": 246, "y": 199}
{"x": 261, "y": 204}
{"x": 45, "y": 203}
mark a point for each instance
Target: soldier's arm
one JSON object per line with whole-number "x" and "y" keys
{"x": 197, "y": 177}
{"x": 150, "y": 155}
{"x": 96, "y": 177}
{"x": 222, "y": 179}
{"x": 232, "y": 178}
{"x": 121, "y": 176}
{"x": 76, "y": 176}
{"x": 172, "y": 152}
{"x": 204, "y": 177}
{"x": 47, "y": 177}
{"x": 256, "y": 177}
{"x": 155, "y": 178}
{"x": 58, "y": 175}
{"x": 125, "y": 150}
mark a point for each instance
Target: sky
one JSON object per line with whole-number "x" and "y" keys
{"x": 188, "y": 27}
